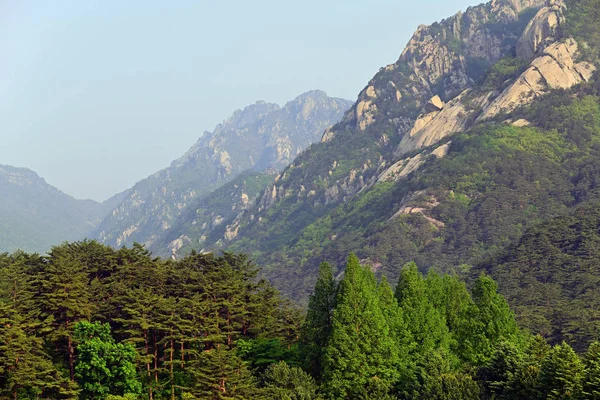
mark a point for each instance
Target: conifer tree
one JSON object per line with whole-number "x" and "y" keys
{"x": 591, "y": 380}
{"x": 561, "y": 374}
{"x": 359, "y": 358}
{"x": 65, "y": 299}
{"x": 426, "y": 325}
{"x": 492, "y": 321}
{"x": 316, "y": 329}
{"x": 26, "y": 371}
{"x": 283, "y": 382}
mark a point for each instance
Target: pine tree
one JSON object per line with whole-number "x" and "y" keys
{"x": 65, "y": 300}
{"x": 426, "y": 325}
{"x": 561, "y": 374}
{"x": 359, "y": 358}
{"x": 26, "y": 371}
{"x": 283, "y": 382}
{"x": 591, "y": 380}
{"x": 316, "y": 329}
{"x": 221, "y": 374}
{"x": 492, "y": 321}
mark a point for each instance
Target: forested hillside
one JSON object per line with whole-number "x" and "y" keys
{"x": 91, "y": 322}
{"x": 517, "y": 155}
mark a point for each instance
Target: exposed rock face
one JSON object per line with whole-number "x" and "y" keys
{"x": 431, "y": 128}
{"x": 211, "y": 217}
{"x": 553, "y": 69}
{"x": 552, "y": 66}
{"x": 261, "y": 136}
{"x": 440, "y": 62}
{"x": 540, "y": 31}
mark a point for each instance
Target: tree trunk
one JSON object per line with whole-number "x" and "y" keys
{"x": 71, "y": 351}
{"x": 150, "y": 394}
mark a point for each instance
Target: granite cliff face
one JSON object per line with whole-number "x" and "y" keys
{"x": 35, "y": 215}
{"x": 261, "y": 136}
{"x": 549, "y": 63}
{"x": 473, "y": 69}
{"x": 407, "y": 105}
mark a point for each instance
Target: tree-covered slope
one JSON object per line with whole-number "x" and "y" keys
{"x": 552, "y": 276}
{"x": 261, "y": 136}
{"x": 525, "y": 154}
{"x": 35, "y": 215}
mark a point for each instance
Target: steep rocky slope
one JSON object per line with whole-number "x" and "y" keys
{"x": 35, "y": 215}
{"x": 208, "y": 219}
{"x": 439, "y": 65}
{"x": 443, "y": 159}
{"x": 261, "y": 136}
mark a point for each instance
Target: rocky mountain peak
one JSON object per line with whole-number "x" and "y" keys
{"x": 19, "y": 176}
{"x": 260, "y": 136}
{"x": 541, "y": 30}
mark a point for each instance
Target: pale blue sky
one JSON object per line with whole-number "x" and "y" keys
{"x": 98, "y": 94}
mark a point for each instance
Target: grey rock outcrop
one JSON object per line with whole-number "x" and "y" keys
{"x": 262, "y": 136}
{"x": 552, "y": 66}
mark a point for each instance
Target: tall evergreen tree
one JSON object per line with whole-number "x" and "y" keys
{"x": 426, "y": 324}
{"x": 26, "y": 370}
{"x": 591, "y": 380}
{"x": 359, "y": 358}
{"x": 561, "y": 374}
{"x": 316, "y": 329}
{"x": 492, "y": 321}
{"x": 65, "y": 299}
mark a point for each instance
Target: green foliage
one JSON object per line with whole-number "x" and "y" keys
{"x": 591, "y": 379}
{"x": 282, "y": 382}
{"x": 583, "y": 21}
{"x": 103, "y": 367}
{"x": 561, "y": 374}
{"x": 318, "y": 323}
{"x": 506, "y": 68}
{"x": 175, "y": 324}
{"x": 361, "y": 354}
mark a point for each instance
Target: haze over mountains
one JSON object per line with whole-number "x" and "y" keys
{"x": 441, "y": 160}
{"x": 35, "y": 215}
{"x": 262, "y": 136}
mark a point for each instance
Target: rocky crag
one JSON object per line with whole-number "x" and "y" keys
{"x": 475, "y": 68}
{"x": 408, "y": 105}
{"x": 259, "y": 137}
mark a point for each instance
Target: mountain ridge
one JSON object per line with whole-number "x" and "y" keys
{"x": 35, "y": 215}
{"x": 261, "y": 136}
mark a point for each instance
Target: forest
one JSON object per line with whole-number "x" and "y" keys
{"x": 90, "y": 322}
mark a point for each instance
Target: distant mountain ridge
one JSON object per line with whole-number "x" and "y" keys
{"x": 35, "y": 215}
{"x": 259, "y": 137}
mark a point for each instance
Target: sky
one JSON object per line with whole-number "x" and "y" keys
{"x": 96, "y": 95}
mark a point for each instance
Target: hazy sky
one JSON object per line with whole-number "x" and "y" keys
{"x": 96, "y": 95}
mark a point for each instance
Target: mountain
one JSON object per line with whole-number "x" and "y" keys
{"x": 260, "y": 137}
{"x": 551, "y": 275}
{"x": 35, "y": 215}
{"x": 486, "y": 126}
{"x": 206, "y": 220}
{"x": 441, "y": 64}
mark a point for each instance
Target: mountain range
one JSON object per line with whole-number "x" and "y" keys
{"x": 35, "y": 215}
{"x": 262, "y": 138}
{"x": 464, "y": 156}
